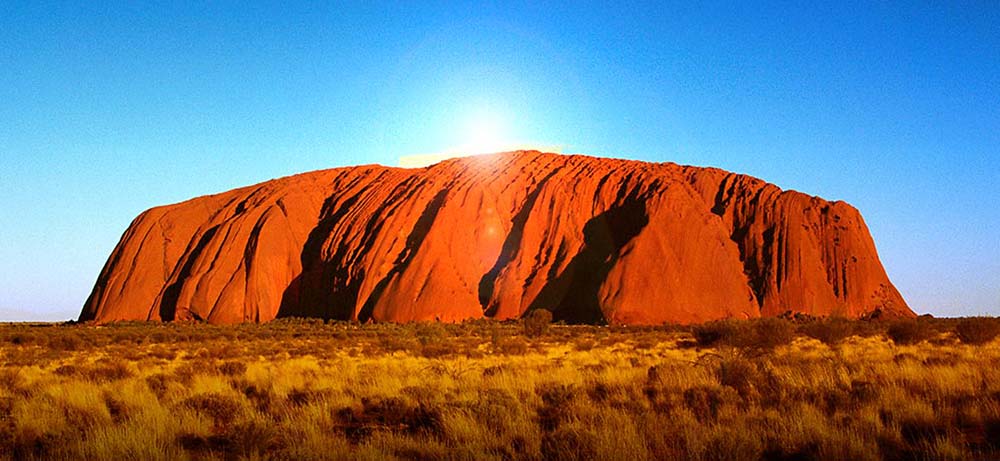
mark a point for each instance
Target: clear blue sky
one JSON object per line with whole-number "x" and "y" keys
{"x": 106, "y": 110}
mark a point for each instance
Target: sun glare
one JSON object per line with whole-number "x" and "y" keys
{"x": 474, "y": 133}
{"x": 483, "y": 133}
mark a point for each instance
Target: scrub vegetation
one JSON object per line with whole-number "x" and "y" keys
{"x": 770, "y": 389}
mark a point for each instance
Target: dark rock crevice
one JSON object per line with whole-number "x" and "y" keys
{"x": 572, "y": 296}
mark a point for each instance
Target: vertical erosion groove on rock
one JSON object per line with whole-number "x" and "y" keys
{"x": 594, "y": 240}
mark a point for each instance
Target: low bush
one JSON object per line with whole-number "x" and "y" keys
{"x": 221, "y": 408}
{"x": 557, "y": 400}
{"x": 23, "y": 339}
{"x": 66, "y": 342}
{"x": 977, "y": 330}
{"x": 909, "y": 331}
{"x": 704, "y": 401}
{"x": 302, "y": 397}
{"x": 716, "y": 333}
{"x": 769, "y": 333}
{"x": 567, "y": 444}
{"x": 391, "y": 414}
{"x": 537, "y": 323}
{"x": 829, "y": 331}
{"x": 759, "y": 334}
{"x": 106, "y": 372}
{"x": 738, "y": 373}
{"x": 233, "y": 368}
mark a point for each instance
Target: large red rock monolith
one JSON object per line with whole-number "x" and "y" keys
{"x": 592, "y": 239}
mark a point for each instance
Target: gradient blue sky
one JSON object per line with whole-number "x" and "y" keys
{"x": 106, "y": 110}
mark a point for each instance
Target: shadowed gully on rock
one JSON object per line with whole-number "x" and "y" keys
{"x": 594, "y": 240}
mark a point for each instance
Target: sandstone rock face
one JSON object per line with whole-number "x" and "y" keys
{"x": 592, "y": 239}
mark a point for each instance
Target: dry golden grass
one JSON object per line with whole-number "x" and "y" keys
{"x": 484, "y": 390}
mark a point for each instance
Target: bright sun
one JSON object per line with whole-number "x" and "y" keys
{"x": 483, "y": 133}
{"x": 476, "y": 132}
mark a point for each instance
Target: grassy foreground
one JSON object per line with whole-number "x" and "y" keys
{"x": 297, "y": 389}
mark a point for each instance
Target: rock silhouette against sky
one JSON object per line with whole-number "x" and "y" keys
{"x": 593, "y": 239}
